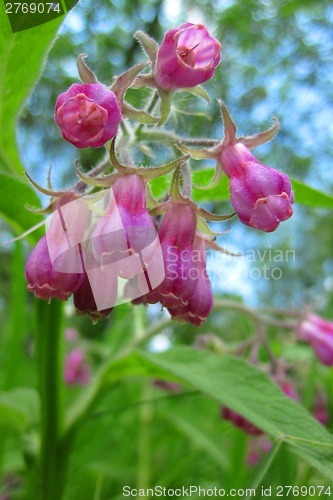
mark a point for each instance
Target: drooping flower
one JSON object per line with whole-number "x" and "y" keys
{"x": 261, "y": 196}
{"x": 76, "y": 368}
{"x": 176, "y": 236}
{"x": 318, "y": 332}
{"x": 88, "y": 115}
{"x": 105, "y": 292}
{"x": 125, "y": 237}
{"x": 200, "y": 303}
{"x": 44, "y": 280}
{"x": 187, "y": 56}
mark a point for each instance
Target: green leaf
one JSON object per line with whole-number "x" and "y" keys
{"x": 220, "y": 192}
{"x": 19, "y": 407}
{"x": 198, "y": 437}
{"x": 22, "y": 56}
{"x": 307, "y": 195}
{"x": 243, "y": 388}
{"x": 15, "y": 196}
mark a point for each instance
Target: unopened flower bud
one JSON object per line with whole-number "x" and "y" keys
{"x": 188, "y": 56}
{"x": 261, "y": 196}
{"x": 88, "y": 115}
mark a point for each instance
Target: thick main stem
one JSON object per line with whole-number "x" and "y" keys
{"x": 49, "y": 344}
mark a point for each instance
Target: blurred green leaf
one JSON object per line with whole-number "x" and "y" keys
{"x": 306, "y": 195}
{"x": 21, "y": 60}
{"x": 241, "y": 387}
{"x": 199, "y": 438}
{"x": 19, "y": 407}
{"x": 16, "y": 195}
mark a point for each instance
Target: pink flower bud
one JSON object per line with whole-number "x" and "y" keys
{"x": 318, "y": 332}
{"x": 44, "y": 280}
{"x": 88, "y": 115}
{"x": 76, "y": 368}
{"x": 261, "y": 196}
{"x": 200, "y": 302}
{"x": 126, "y": 229}
{"x": 187, "y": 57}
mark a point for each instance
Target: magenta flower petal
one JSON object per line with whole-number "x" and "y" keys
{"x": 88, "y": 115}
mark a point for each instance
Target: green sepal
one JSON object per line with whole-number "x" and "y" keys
{"x": 214, "y": 217}
{"x": 126, "y": 80}
{"x": 150, "y": 173}
{"x": 48, "y": 192}
{"x": 228, "y": 124}
{"x": 256, "y": 140}
{"x": 204, "y": 228}
{"x": 199, "y": 154}
{"x": 146, "y": 80}
{"x": 141, "y": 116}
{"x": 148, "y": 44}
{"x": 106, "y": 181}
{"x": 151, "y": 200}
{"x": 85, "y": 73}
{"x": 165, "y": 108}
{"x": 197, "y": 91}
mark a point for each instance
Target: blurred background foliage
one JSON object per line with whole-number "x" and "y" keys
{"x": 276, "y": 60}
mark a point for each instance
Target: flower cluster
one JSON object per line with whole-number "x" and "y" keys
{"x": 136, "y": 247}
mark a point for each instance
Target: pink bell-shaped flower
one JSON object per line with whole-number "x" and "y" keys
{"x": 187, "y": 56}
{"x": 44, "y": 280}
{"x": 261, "y": 196}
{"x": 88, "y": 115}
{"x": 200, "y": 303}
{"x": 176, "y": 235}
{"x": 126, "y": 230}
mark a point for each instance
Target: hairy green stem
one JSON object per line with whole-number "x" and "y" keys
{"x": 49, "y": 343}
